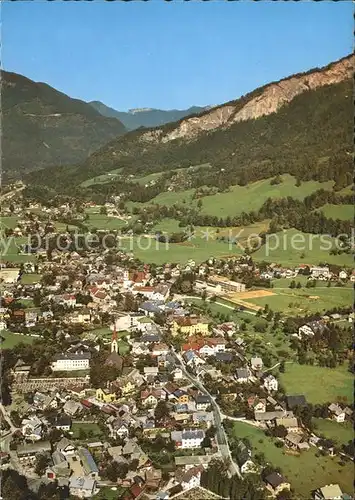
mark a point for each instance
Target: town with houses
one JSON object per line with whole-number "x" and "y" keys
{"x": 123, "y": 380}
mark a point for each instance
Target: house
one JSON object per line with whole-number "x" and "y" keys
{"x": 271, "y": 383}
{"x": 190, "y": 478}
{"x": 319, "y": 272}
{"x": 106, "y": 395}
{"x": 275, "y": 483}
{"x": 66, "y": 447}
{"x": 153, "y": 478}
{"x": 305, "y": 331}
{"x": 293, "y": 401}
{"x": 224, "y": 357}
{"x": 256, "y": 364}
{"x": 329, "y": 492}
{"x": 189, "y": 325}
{"x": 202, "y": 402}
{"x": 82, "y": 487}
{"x": 29, "y": 451}
{"x": 223, "y": 284}
{"x": 119, "y": 428}
{"x": 294, "y": 440}
{"x": 68, "y": 362}
{"x": 62, "y": 422}
{"x": 337, "y": 413}
{"x": 151, "y": 398}
{"x": 31, "y": 428}
{"x": 188, "y": 438}
{"x": 242, "y": 375}
{"x": 290, "y": 423}
{"x": 88, "y": 463}
{"x": 72, "y": 407}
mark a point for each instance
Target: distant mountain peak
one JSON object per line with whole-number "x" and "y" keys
{"x": 145, "y": 117}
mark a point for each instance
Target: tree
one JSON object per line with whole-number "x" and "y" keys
{"x": 293, "y": 284}
{"x": 282, "y": 367}
{"x": 41, "y": 464}
{"x": 161, "y": 410}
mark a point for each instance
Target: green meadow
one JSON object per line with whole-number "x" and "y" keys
{"x": 292, "y": 247}
{"x": 329, "y": 383}
{"x": 341, "y": 433}
{"x": 12, "y": 339}
{"x": 305, "y": 472}
{"x": 342, "y": 212}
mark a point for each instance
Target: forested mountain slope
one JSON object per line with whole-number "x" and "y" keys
{"x": 308, "y": 135}
{"x": 43, "y": 127}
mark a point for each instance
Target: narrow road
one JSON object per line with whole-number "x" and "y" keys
{"x": 221, "y": 436}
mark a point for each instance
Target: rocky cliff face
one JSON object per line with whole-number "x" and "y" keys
{"x": 268, "y": 100}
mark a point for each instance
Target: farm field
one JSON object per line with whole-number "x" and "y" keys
{"x": 147, "y": 178}
{"x": 303, "y": 300}
{"x": 12, "y": 339}
{"x": 342, "y": 433}
{"x": 167, "y": 226}
{"x": 329, "y": 383}
{"x": 151, "y": 251}
{"x": 305, "y": 472}
{"x": 342, "y": 212}
{"x": 292, "y": 247}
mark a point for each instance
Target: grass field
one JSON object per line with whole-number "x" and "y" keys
{"x": 305, "y": 472}
{"x": 341, "y": 433}
{"x": 292, "y": 247}
{"x": 9, "y": 222}
{"x": 9, "y": 250}
{"x": 102, "y": 221}
{"x": 30, "y": 278}
{"x": 167, "y": 226}
{"x": 151, "y": 251}
{"x": 92, "y": 429}
{"x": 318, "y": 384}
{"x": 102, "y": 179}
{"x": 147, "y": 178}
{"x": 303, "y": 300}
{"x": 11, "y": 339}
{"x": 343, "y": 212}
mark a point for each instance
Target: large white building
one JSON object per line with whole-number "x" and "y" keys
{"x": 69, "y": 361}
{"x": 188, "y": 439}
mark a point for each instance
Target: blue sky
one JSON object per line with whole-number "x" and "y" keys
{"x": 170, "y": 55}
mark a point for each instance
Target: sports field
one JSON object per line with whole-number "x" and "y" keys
{"x": 303, "y": 300}
{"x": 318, "y": 384}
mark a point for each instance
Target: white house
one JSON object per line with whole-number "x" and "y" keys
{"x": 337, "y": 413}
{"x": 188, "y": 438}
{"x": 271, "y": 383}
{"x": 305, "y": 331}
{"x": 82, "y": 487}
{"x": 68, "y": 362}
{"x": 31, "y": 428}
{"x": 318, "y": 271}
{"x": 343, "y": 275}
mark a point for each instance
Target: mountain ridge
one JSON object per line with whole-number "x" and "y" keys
{"x": 145, "y": 117}
{"x": 259, "y": 137}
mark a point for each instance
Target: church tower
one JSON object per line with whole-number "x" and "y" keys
{"x": 114, "y": 343}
